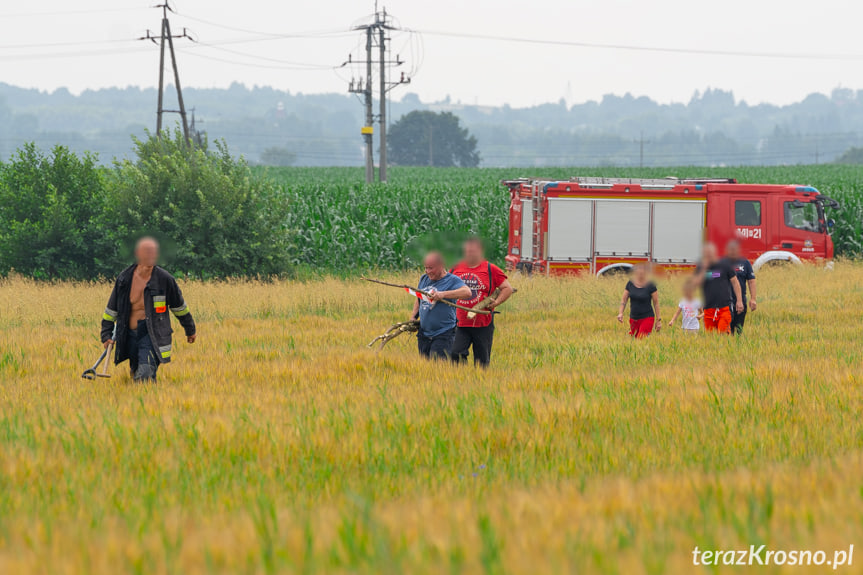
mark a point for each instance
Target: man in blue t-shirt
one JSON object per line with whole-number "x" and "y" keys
{"x": 437, "y": 320}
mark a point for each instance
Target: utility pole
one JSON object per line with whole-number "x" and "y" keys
{"x": 197, "y": 135}
{"x": 382, "y": 44}
{"x": 641, "y": 142}
{"x": 641, "y": 151}
{"x": 365, "y": 89}
{"x": 166, "y": 38}
{"x": 431, "y": 144}
{"x": 376, "y": 35}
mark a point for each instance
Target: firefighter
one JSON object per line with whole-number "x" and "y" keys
{"x": 137, "y": 314}
{"x": 746, "y": 278}
{"x": 483, "y": 278}
{"x": 720, "y": 287}
{"x": 437, "y": 322}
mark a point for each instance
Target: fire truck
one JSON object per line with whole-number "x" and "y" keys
{"x": 599, "y": 225}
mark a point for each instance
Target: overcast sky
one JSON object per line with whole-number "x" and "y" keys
{"x": 87, "y": 44}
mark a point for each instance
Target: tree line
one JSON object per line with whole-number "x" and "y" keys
{"x": 63, "y": 216}
{"x": 278, "y": 127}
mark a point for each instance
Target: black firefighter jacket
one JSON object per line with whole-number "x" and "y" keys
{"x": 160, "y": 294}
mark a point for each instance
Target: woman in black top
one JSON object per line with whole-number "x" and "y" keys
{"x": 644, "y": 307}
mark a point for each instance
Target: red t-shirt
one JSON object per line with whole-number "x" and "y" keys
{"x": 480, "y": 286}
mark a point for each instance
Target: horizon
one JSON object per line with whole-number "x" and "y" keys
{"x": 169, "y": 87}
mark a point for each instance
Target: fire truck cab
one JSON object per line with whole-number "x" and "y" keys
{"x": 596, "y": 225}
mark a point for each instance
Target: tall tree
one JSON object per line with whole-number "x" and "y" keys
{"x": 423, "y": 138}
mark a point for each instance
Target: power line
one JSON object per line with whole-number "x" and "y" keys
{"x": 298, "y": 68}
{"x": 51, "y": 13}
{"x": 63, "y": 55}
{"x": 287, "y": 63}
{"x": 636, "y": 48}
{"x": 62, "y": 44}
{"x": 271, "y": 35}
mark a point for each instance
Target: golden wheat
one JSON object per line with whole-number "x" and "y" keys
{"x": 280, "y": 443}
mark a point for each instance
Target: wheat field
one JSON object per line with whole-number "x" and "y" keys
{"x": 279, "y": 443}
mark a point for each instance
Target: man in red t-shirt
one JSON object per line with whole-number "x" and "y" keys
{"x": 483, "y": 278}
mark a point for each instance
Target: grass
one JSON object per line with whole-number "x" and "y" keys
{"x": 279, "y": 444}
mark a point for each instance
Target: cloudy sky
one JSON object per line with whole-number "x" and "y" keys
{"x": 763, "y": 50}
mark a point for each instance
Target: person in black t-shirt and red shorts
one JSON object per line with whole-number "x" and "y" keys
{"x": 644, "y": 303}
{"x": 721, "y": 288}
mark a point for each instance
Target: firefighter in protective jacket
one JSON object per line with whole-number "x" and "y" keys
{"x": 136, "y": 318}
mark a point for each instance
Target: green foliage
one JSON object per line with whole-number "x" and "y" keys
{"x": 50, "y": 207}
{"x": 275, "y": 156}
{"x": 432, "y": 139}
{"x": 342, "y": 224}
{"x": 213, "y": 217}
{"x": 60, "y": 217}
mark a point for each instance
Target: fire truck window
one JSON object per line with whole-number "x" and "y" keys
{"x": 804, "y": 217}
{"x": 747, "y": 213}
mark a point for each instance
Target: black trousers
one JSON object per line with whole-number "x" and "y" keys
{"x": 142, "y": 356}
{"x": 737, "y": 320}
{"x": 436, "y": 347}
{"x": 481, "y": 338}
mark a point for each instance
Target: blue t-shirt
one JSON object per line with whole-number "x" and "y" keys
{"x": 440, "y": 318}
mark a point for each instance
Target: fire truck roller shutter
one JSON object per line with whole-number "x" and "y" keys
{"x": 527, "y": 230}
{"x": 678, "y": 229}
{"x": 622, "y": 228}
{"x": 569, "y": 229}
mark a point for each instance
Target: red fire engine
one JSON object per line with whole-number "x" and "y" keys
{"x": 595, "y": 225}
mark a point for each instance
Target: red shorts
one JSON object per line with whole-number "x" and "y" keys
{"x": 641, "y": 327}
{"x": 718, "y": 319}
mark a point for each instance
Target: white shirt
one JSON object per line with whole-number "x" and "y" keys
{"x": 690, "y": 310}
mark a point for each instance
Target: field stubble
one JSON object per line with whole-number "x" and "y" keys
{"x": 279, "y": 443}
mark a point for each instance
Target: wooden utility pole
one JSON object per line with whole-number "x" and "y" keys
{"x": 166, "y": 39}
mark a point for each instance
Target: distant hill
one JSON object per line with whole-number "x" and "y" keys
{"x": 324, "y": 129}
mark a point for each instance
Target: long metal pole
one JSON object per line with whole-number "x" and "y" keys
{"x": 177, "y": 83}
{"x": 161, "y": 80}
{"x": 370, "y": 160}
{"x": 382, "y": 171}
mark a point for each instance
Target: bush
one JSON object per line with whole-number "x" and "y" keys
{"x": 50, "y": 209}
{"x": 214, "y": 218}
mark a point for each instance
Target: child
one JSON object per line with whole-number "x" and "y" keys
{"x": 691, "y": 309}
{"x": 644, "y": 309}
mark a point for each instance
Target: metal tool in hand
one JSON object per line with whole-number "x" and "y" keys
{"x": 92, "y": 373}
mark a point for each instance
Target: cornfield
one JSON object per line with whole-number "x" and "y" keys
{"x": 279, "y": 443}
{"x": 341, "y": 224}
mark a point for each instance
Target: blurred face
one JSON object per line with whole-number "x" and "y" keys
{"x": 708, "y": 254}
{"x": 732, "y": 250}
{"x": 147, "y": 252}
{"x": 434, "y": 266}
{"x": 688, "y": 290}
{"x": 640, "y": 273}
{"x": 473, "y": 253}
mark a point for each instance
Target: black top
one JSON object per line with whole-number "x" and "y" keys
{"x": 641, "y": 305}
{"x": 744, "y": 272}
{"x": 717, "y": 284}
